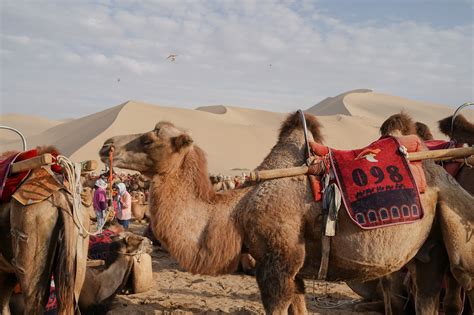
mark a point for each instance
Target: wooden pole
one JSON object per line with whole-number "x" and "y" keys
{"x": 47, "y": 159}
{"x": 29, "y": 164}
{"x": 446, "y": 154}
{"x": 441, "y": 154}
{"x": 277, "y": 173}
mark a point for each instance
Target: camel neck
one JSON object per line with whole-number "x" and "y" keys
{"x": 191, "y": 220}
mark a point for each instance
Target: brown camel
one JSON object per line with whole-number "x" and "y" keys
{"x": 277, "y": 220}
{"x": 139, "y": 206}
{"x": 101, "y": 286}
{"x": 433, "y": 256}
{"x": 38, "y": 241}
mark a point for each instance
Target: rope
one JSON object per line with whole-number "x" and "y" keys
{"x": 111, "y": 180}
{"x": 326, "y": 303}
{"x": 73, "y": 174}
{"x": 111, "y": 174}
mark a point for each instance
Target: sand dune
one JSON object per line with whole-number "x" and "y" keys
{"x": 234, "y": 138}
{"x": 215, "y": 109}
{"x": 28, "y": 125}
{"x": 334, "y": 105}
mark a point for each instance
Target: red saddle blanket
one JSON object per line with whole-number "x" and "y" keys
{"x": 9, "y": 182}
{"x": 99, "y": 245}
{"x": 377, "y": 184}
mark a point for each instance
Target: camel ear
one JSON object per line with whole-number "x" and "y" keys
{"x": 181, "y": 141}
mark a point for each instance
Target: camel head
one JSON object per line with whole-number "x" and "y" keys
{"x": 129, "y": 243}
{"x": 462, "y": 131}
{"x": 158, "y": 151}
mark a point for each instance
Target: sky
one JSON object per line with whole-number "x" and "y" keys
{"x": 70, "y": 58}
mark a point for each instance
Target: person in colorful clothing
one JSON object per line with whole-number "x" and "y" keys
{"x": 100, "y": 203}
{"x": 124, "y": 205}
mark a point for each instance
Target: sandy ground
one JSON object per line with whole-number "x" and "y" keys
{"x": 178, "y": 292}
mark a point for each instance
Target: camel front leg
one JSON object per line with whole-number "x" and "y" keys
{"x": 298, "y": 304}
{"x": 282, "y": 291}
{"x": 427, "y": 279}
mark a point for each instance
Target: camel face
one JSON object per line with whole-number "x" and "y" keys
{"x": 152, "y": 152}
{"x": 133, "y": 243}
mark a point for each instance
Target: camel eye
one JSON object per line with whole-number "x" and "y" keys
{"x": 146, "y": 141}
{"x": 157, "y": 131}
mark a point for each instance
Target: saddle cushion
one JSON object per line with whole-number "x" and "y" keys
{"x": 39, "y": 186}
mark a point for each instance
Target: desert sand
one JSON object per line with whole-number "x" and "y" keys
{"x": 235, "y": 140}
{"x": 178, "y": 292}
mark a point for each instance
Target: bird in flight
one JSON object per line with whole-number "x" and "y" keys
{"x": 172, "y": 57}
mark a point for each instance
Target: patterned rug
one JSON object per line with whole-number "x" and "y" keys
{"x": 377, "y": 185}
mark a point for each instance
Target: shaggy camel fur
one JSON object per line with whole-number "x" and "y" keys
{"x": 101, "y": 286}
{"x": 433, "y": 256}
{"x": 38, "y": 241}
{"x": 277, "y": 220}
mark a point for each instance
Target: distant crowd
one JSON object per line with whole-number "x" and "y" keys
{"x": 129, "y": 194}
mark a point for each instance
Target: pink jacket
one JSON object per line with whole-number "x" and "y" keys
{"x": 126, "y": 212}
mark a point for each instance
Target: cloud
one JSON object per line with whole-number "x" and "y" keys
{"x": 224, "y": 51}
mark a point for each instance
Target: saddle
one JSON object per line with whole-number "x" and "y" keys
{"x": 377, "y": 183}
{"x": 10, "y": 182}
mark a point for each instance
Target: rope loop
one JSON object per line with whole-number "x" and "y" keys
{"x": 73, "y": 174}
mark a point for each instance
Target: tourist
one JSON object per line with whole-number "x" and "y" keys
{"x": 124, "y": 205}
{"x": 100, "y": 203}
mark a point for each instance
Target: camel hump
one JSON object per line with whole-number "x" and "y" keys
{"x": 462, "y": 131}
{"x": 293, "y": 121}
{"x": 423, "y": 131}
{"x": 401, "y": 122}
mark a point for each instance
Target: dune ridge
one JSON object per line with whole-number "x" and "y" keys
{"x": 239, "y": 138}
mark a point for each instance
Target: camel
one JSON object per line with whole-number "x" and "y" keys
{"x": 434, "y": 252}
{"x": 40, "y": 240}
{"x": 463, "y": 132}
{"x": 101, "y": 286}
{"x": 277, "y": 220}
{"x": 139, "y": 206}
